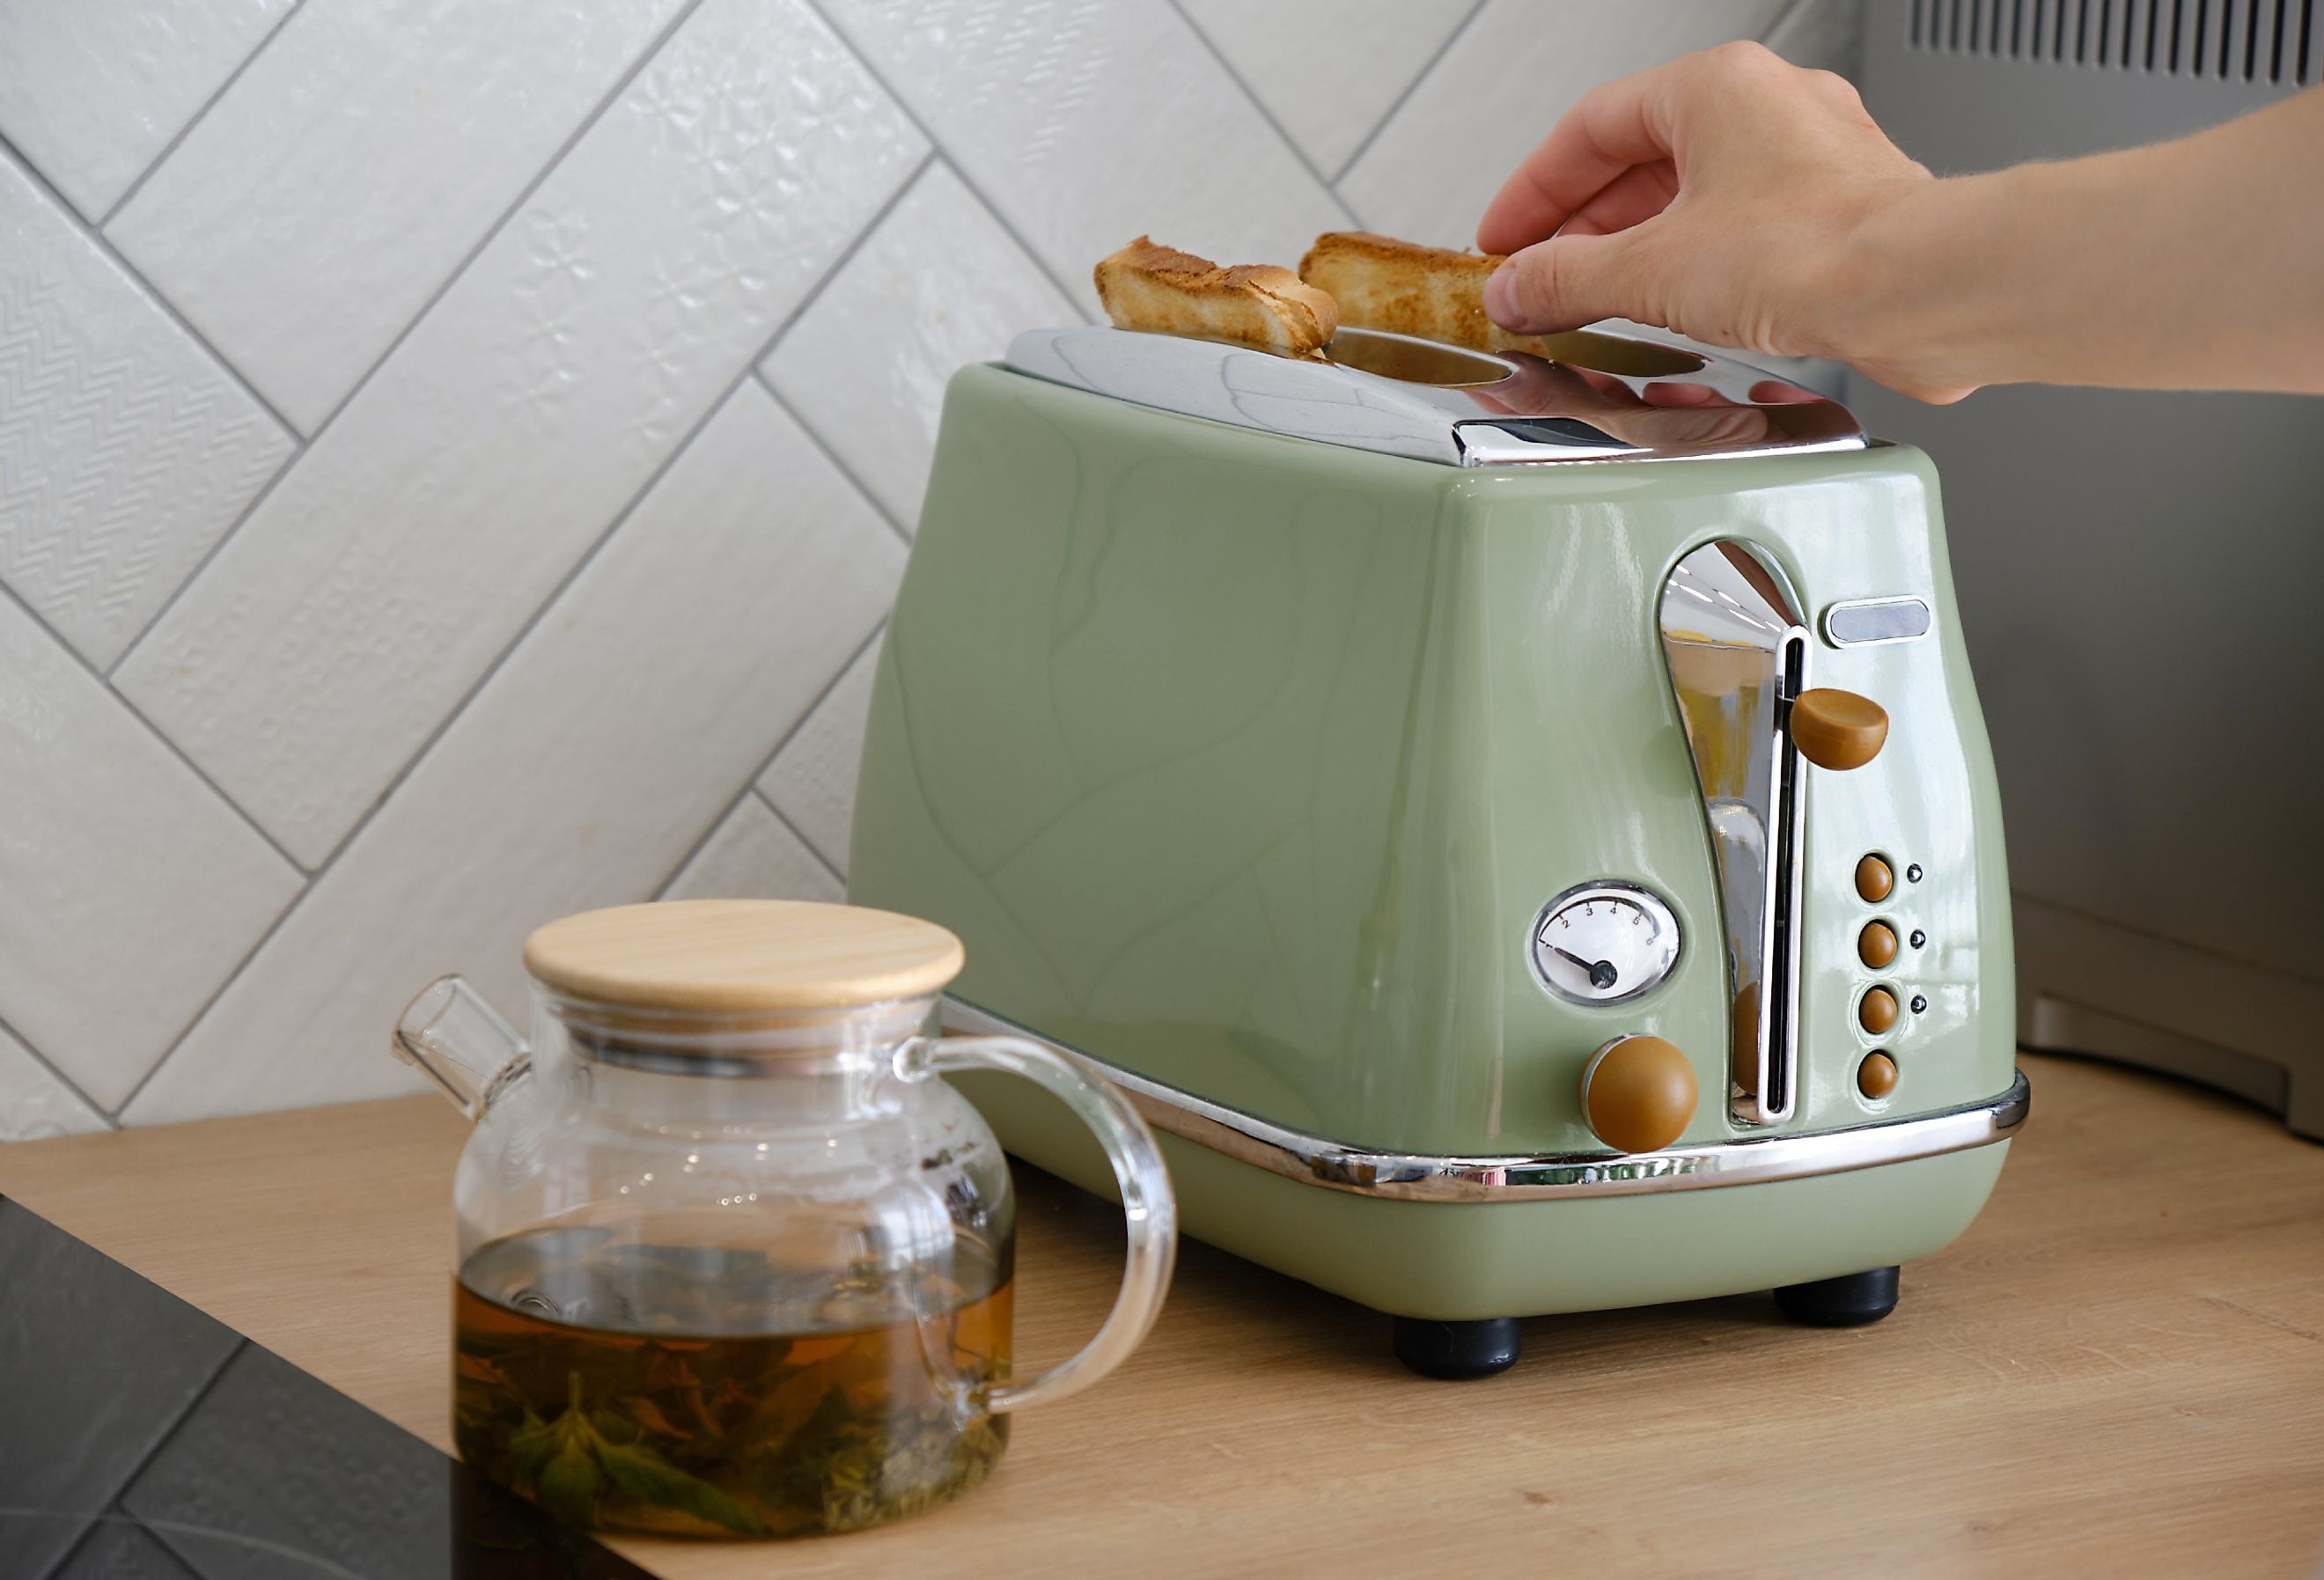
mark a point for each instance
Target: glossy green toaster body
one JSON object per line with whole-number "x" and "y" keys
{"x": 1246, "y": 764}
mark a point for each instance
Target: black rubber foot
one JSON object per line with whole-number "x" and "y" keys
{"x": 1458, "y": 1351}
{"x": 1851, "y": 1300}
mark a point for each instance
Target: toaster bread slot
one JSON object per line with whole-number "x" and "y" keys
{"x": 1779, "y": 1072}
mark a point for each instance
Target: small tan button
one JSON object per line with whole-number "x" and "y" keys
{"x": 1875, "y": 945}
{"x": 1877, "y": 1013}
{"x": 1639, "y": 1094}
{"x": 1875, "y": 878}
{"x": 1876, "y": 1077}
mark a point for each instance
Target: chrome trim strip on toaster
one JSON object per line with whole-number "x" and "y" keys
{"x": 1548, "y": 1177}
{"x": 1738, "y": 652}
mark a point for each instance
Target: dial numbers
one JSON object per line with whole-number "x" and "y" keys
{"x": 1604, "y": 943}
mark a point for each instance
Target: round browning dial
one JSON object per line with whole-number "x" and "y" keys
{"x": 1604, "y": 943}
{"x": 1639, "y": 1094}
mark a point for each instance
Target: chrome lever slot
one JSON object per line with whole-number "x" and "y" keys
{"x": 1738, "y": 653}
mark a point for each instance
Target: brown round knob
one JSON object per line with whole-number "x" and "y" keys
{"x": 1639, "y": 1094}
{"x": 1838, "y": 729}
{"x": 1877, "y": 1013}
{"x": 1875, "y": 878}
{"x": 1875, "y": 945}
{"x": 1876, "y": 1077}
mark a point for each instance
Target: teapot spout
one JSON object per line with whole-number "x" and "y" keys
{"x": 449, "y": 1032}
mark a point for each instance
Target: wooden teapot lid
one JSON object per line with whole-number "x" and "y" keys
{"x": 722, "y": 955}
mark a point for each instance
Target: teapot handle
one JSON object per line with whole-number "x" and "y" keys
{"x": 1147, "y": 1201}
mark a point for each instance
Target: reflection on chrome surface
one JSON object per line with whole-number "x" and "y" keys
{"x": 1738, "y": 654}
{"x": 1601, "y": 397}
{"x": 140, "y": 1437}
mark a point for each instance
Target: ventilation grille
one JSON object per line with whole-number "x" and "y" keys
{"x": 2244, "y": 40}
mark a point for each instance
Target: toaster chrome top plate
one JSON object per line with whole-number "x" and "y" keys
{"x": 1605, "y": 398}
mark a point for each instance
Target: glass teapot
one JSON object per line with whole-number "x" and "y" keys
{"x": 732, "y": 1262}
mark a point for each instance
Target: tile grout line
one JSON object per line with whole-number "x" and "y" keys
{"x": 844, "y": 256}
{"x": 717, "y": 404}
{"x": 203, "y": 564}
{"x": 612, "y": 96}
{"x": 97, "y": 675}
{"x": 40, "y": 1058}
{"x": 798, "y": 834}
{"x": 153, "y": 297}
{"x": 844, "y": 470}
{"x": 215, "y": 993}
{"x": 461, "y": 705}
{"x": 937, "y": 148}
{"x": 145, "y": 288}
{"x": 146, "y": 1462}
{"x": 1264, "y": 114}
{"x": 751, "y": 781}
{"x": 1418, "y": 78}
{"x": 194, "y": 120}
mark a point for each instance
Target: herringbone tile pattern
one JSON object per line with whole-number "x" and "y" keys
{"x": 453, "y": 461}
{"x": 125, "y": 453}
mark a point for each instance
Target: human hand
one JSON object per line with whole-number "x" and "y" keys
{"x": 1727, "y": 195}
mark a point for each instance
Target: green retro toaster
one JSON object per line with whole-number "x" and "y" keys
{"x": 1519, "y": 826}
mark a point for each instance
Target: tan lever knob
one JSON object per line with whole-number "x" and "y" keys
{"x": 1838, "y": 729}
{"x": 1638, "y": 1093}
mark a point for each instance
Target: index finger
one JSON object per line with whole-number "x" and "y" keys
{"x": 1615, "y": 126}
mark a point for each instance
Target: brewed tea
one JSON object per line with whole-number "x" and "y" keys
{"x": 754, "y": 1402}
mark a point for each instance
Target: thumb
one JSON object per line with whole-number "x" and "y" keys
{"x": 1564, "y": 283}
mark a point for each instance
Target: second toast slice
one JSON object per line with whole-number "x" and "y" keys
{"x": 1406, "y": 288}
{"x": 1160, "y": 290}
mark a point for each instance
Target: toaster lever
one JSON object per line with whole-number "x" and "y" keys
{"x": 1738, "y": 652}
{"x": 1838, "y": 729}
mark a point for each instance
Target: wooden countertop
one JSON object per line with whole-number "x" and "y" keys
{"x": 2119, "y": 1370}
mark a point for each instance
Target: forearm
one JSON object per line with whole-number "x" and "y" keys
{"x": 2192, "y": 264}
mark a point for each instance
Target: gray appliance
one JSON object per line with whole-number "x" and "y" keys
{"x": 2141, "y": 577}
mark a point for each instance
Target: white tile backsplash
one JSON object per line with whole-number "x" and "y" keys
{"x": 128, "y": 891}
{"x": 581, "y": 774}
{"x": 751, "y": 855}
{"x": 1087, "y": 122}
{"x": 328, "y": 194}
{"x": 1502, "y": 85}
{"x": 812, "y": 780}
{"x": 936, "y": 285}
{"x": 34, "y": 1103}
{"x": 125, "y": 450}
{"x": 375, "y": 585}
{"x": 91, "y": 92}
{"x": 1328, "y": 70}
{"x": 567, "y": 603}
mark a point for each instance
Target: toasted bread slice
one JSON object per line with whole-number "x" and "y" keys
{"x": 1145, "y": 286}
{"x": 1406, "y": 288}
